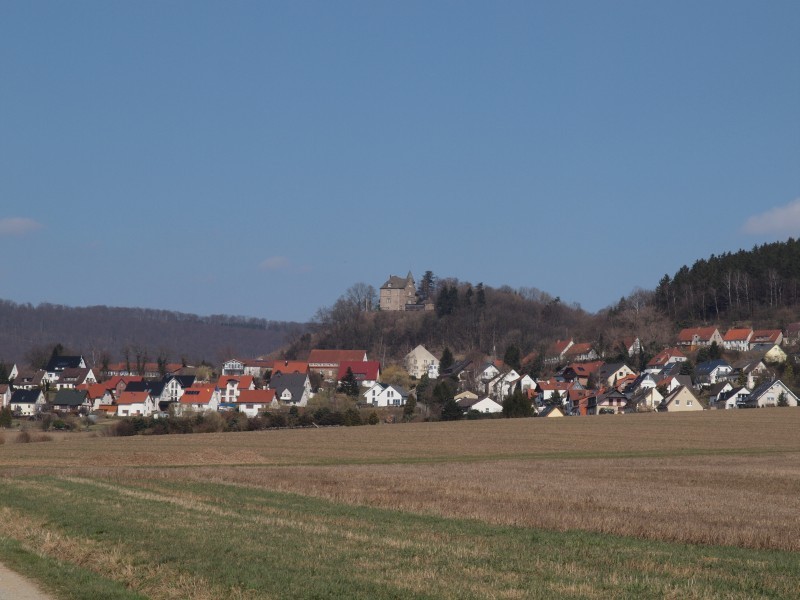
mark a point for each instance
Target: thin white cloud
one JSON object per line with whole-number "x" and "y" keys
{"x": 275, "y": 263}
{"x": 18, "y": 226}
{"x": 782, "y": 219}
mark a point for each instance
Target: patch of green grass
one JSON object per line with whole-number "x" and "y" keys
{"x": 63, "y": 579}
{"x": 263, "y": 544}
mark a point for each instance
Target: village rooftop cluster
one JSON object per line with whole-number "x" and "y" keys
{"x": 581, "y": 383}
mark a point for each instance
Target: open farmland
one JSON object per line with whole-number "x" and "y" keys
{"x": 685, "y": 506}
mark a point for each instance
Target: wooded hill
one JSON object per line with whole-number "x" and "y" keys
{"x": 760, "y": 284}
{"x": 103, "y": 332}
{"x": 760, "y": 287}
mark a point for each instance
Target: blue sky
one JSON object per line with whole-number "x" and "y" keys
{"x": 258, "y": 158}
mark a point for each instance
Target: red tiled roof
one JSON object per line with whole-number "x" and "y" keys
{"x": 766, "y": 336}
{"x": 663, "y": 357}
{"x": 587, "y": 368}
{"x": 245, "y": 381}
{"x": 289, "y": 366}
{"x": 197, "y": 394}
{"x": 256, "y": 397}
{"x": 133, "y": 397}
{"x": 558, "y": 347}
{"x": 737, "y": 335}
{"x": 362, "y": 369}
{"x": 578, "y": 349}
{"x": 96, "y": 390}
{"x": 702, "y": 333}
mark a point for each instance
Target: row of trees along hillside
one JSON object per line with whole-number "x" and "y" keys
{"x": 103, "y": 333}
{"x": 477, "y": 320}
{"x": 762, "y": 285}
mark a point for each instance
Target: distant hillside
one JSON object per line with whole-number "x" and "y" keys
{"x": 100, "y": 332}
{"x": 759, "y": 284}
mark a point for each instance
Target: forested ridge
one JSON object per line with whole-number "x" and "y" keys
{"x": 105, "y": 333}
{"x": 757, "y": 284}
{"x": 759, "y": 287}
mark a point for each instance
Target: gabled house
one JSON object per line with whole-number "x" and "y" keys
{"x": 233, "y": 366}
{"x": 502, "y": 385}
{"x": 557, "y": 351}
{"x": 664, "y": 358}
{"x": 719, "y": 391}
{"x": 737, "y": 339}
{"x": 693, "y": 337}
{"x": 175, "y": 386}
{"x": 681, "y": 400}
{"x": 421, "y": 362}
{"x": 488, "y": 372}
{"x": 231, "y": 385}
{"x": 99, "y": 394}
{"x": 770, "y": 393}
{"x": 484, "y": 406}
{"x": 27, "y": 403}
{"x": 326, "y": 362}
{"x": 57, "y": 364}
{"x": 553, "y": 410}
{"x": 29, "y": 380}
{"x": 130, "y": 404}
{"x": 766, "y": 336}
{"x": 645, "y": 399}
{"x": 630, "y": 345}
{"x": 670, "y": 383}
{"x": 607, "y": 402}
{"x": 199, "y": 398}
{"x": 69, "y": 379}
{"x": 384, "y": 394}
{"x": 710, "y": 372}
{"x": 580, "y": 352}
{"x": 366, "y": 372}
{"x": 749, "y": 370}
{"x": 253, "y": 402}
{"x": 730, "y": 399}
{"x": 581, "y": 371}
{"x": 72, "y": 401}
{"x": 611, "y": 374}
{"x": 546, "y": 389}
{"x": 293, "y": 388}
{"x": 770, "y": 353}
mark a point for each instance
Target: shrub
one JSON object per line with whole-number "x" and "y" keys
{"x": 2, "y": 440}
{"x": 352, "y": 417}
{"x": 23, "y": 437}
{"x": 373, "y": 418}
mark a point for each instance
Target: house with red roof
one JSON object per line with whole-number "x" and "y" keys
{"x": 289, "y": 366}
{"x": 580, "y": 352}
{"x": 326, "y": 362}
{"x": 231, "y": 385}
{"x": 737, "y": 339}
{"x": 135, "y": 404}
{"x": 693, "y": 337}
{"x": 766, "y": 336}
{"x": 557, "y": 350}
{"x": 366, "y": 372}
{"x": 199, "y": 398}
{"x": 665, "y": 358}
{"x": 99, "y": 394}
{"x": 581, "y": 371}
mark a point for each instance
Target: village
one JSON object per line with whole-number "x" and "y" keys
{"x": 705, "y": 369}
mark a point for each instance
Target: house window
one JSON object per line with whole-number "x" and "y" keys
{"x": 689, "y": 403}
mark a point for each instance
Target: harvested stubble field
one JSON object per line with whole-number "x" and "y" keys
{"x": 685, "y": 506}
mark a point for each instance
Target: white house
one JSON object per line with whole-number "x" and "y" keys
{"x": 291, "y": 388}
{"x": 384, "y": 394}
{"x": 26, "y": 403}
{"x": 253, "y": 402}
{"x": 770, "y": 394}
{"x": 420, "y": 362}
{"x": 199, "y": 399}
{"x": 131, "y": 404}
{"x": 486, "y": 405}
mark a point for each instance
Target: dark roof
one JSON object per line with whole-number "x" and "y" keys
{"x": 25, "y": 396}
{"x": 705, "y": 368}
{"x": 70, "y": 398}
{"x": 294, "y": 382}
{"x": 59, "y": 363}
{"x": 185, "y": 381}
{"x": 455, "y": 369}
{"x": 156, "y": 388}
